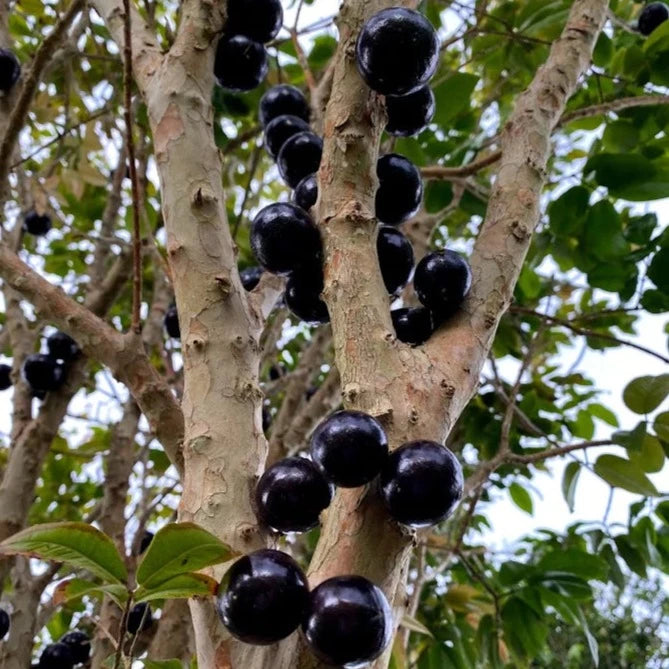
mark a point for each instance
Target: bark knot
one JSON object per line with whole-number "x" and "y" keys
{"x": 519, "y": 231}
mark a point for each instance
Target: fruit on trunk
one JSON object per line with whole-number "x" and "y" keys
{"x": 259, "y": 20}
{"x": 306, "y": 192}
{"x": 397, "y": 51}
{"x": 284, "y": 238}
{"x": 250, "y": 277}
{"x": 299, "y": 157}
{"x": 413, "y": 325}
{"x": 241, "y": 64}
{"x": 37, "y": 224}
{"x": 79, "y": 644}
{"x": 303, "y": 296}
{"x": 172, "y": 322}
{"x": 400, "y": 189}
{"x": 280, "y": 129}
{"x": 5, "y": 376}
{"x": 280, "y": 100}
{"x": 421, "y": 483}
{"x": 147, "y": 538}
{"x": 349, "y": 622}
{"x": 410, "y": 114}
{"x": 350, "y": 447}
{"x": 395, "y": 258}
{"x": 4, "y": 624}
{"x": 62, "y": 347}
{"x": 56, "y": 656}
{"x": 43, "y": 373}
{"x": 652, "y": 16}
{"x": 291, "y": 495}
{"x": 442, "y": 281}
{"x": 140, "y": 618}
{"x": 263, "y": 597}
{"x": 10, "y": 70}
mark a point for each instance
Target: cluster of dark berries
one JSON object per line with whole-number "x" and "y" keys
{"x": 45, "y": 372}
{"x": 36, "y": 224}
{"x": 652, "y": 16}
{"x": 241, "y": 61}
{"x": 72, "y": 649}
{"x": 10, "y": 70}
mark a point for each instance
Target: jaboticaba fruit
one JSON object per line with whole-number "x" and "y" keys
{"x": 263, "y": 597}
{"x": 241, "y": 64}
{"x": 299, "y": 157}
{"x": 409, "y": 114}
{"x": 281, "y": 129}
{"x": 442, "y": 281}
{"x": 43, "y": 373}
{"x": 350, "y": 447}
{"x": 395, "y": 258}
{"x": 306, "y": 192}
{"x": 4, "y": 624}
{"x": 56, "y": 656}
{"x": 5, "y": 377}
{"x": 259, "y": 20}
{"x": 349, "y": 622}
{"x": 400, "y": 189}
{"x": 266, "y": 419}
{"x": 652, "y": 16}
{"x": 303, "y": 295}
{"x": 147, "y": 538}
{"x": 421, "y": 483}
{"x": 172, "y": 322}
{"x": 79, "y": 644}
{"x": 10, "y": 70}
{"x": 280, "y": 100}
{"x": 291, "y": 495}
{"x": 284, "y": 238}
{"x": 397, "y": 51}
{"x": 413, "y": 325}
{"x": 37, "y": 224}
{"x": 250, "y": 277}
{"x": 62, "y": 347}
{"x": 140, "y": 618}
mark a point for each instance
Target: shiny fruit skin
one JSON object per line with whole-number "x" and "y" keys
{"x": 4, "y": 624}
{"x": 408, "y": 115}
{"x": 5, "y": 377}
{"x": 284, "y": 238}
{"x": 652, "y": 16}
{"x": 79, "y": 644}
{"x": 259, "y": 20}
{"x": 299, "y": 157}
{"x": 171, "y": 322}
{"x": 263, "y": 597}
{"x": 140, "y": 618}
{"x": 442, "y": 281}
{"x": 305, "y": 194}
{"x": 56, "y": 656}
{"x": 395, "y": 258}
{"x": 280, "y": 100}
{"x": 303, "y": 296}
{"x": 250, "y": 277}
{"x": 291, "y": 494}
{"x": 421, "y": 483}
{"x": 400, "y": 189}
{"x": 147, "y": 538}
{"x": 36, "y": 224}
{"x": 62, "y": 347}
{"x": 241, "y": 64}
{"x": 349, "y": 621}
{"x": 350, "y": 447}
{"x": 280, "y": 129}
{"x": 10, "y": 70}
{"x": 397, "y": 51}
{"x": 413, "y": 325}
{"x": 43, "y": 372}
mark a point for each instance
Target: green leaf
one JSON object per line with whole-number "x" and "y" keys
{"x": 622, "y": 473}
{"x": 73, "y": 589}
{"x": 651, "y": 456}
{"x": 567, "y": 213}
{"x": 632, "y": 441}
{"x": 521, "y": 497}
{"x": 524, "y": 631}
{"x": 177, "y": 549}
{"x": 453, "y": 96}
{"x": 604, "y": 414}
{"x": 603, "y": 237}
{"x": 631, "y": 555}
{"x": 661, "y": 426}
{"x": 592, "y": 642}
{"x": 76, "y": 544}
{"x": 646, "y": 393}
{"x": 415, "y": 625}
{"x": 576, "y": 562}
{"x": 179, "y": 587}
{"x": 658, "y": 270}
{"x": 569, "y": 480}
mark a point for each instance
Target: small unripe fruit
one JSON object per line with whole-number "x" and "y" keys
{"x": 305, "y": 194}
{"x": 62, "y": 347}
{"x": 241, "y": 64}
{"x": 442, "y": 281}
{"x": 140, "y": 618}
{"x": 10, "y": 70}
{"x": 421, "y": 483}
{"x": 413, "y": 325}
{"x": 400, "y": 189}
{"x": 263, "y": 597}
{"x": 299, "y": 157}
{"x": 56, "y": 656}
{"x": 410, "y": 114}
{"x": 37, "y": 224}
{"x": 79, "y": 644}
{"x": 250, "y": 277}
{"x": 291, "y": 495}
{"x": 652, "y": 16}
{"x": 43, "y": 373}
{"x": 280, "y": 100}
{"x": 172, "y": 322}
{"x": 303, "y": 296}
{"x": 4, "y": 624}
{"x": 349, "y": 621}
{"x": 259, "y": 20}
{"x": 395, "y": 258}
{"x": 5, "y": 376}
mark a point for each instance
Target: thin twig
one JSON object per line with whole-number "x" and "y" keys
{"x": 121, "y": 633}
{"x": 255, "y": 160}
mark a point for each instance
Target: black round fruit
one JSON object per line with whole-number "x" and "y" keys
{"x": 79, "y": 644}
{"x": 280, "y": 100}
{"x": 10, "y": 70}
{"x": 410, "y": 114}
{"x": 284, "y": 238}
{"x": 350, "y": 447}
{"x": 291, "y": 495}
{"x": 395, "y": 258}
{"x": 172, "y": 322}
{"x": 250, "y": 277}
{"x": 299, "y": 157}
{"x": 303, "y": 296}
{"x": 36, "y": 224}
{"x": 652, "y": 16}
{"x": 421, "y": 483}
{"x": 56, "y": 656}
{"x": 306, "y": 192}
{"x": 140, "y": 618}
{"x": 400, "y": 189}
{"x": 349, "y": 621}
{"x": 413, "y": 325}
{"x": 280, "y": 129}
{"x": 62, "y": 347}
{"x": 241, "y": 64}
{"x": 442, "y": 281}
{"x": 4, "y": 624}
{"x": 266, "y": 419}
{"x": 263, "y": 597}
{"x": 397, "y": 51}
{"x": 147, "y": 538}
{"x": 259, "y": 20}
{"x": 43, "y": 373}
{"x": 5, "y": 376}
